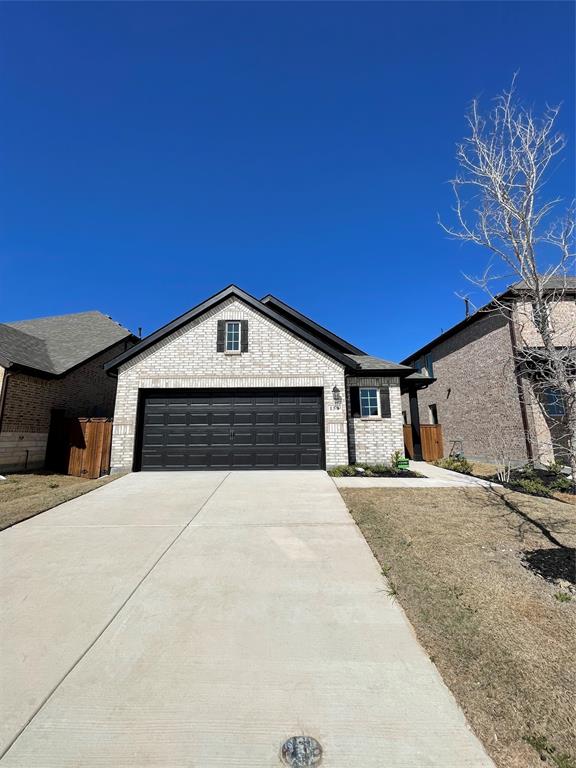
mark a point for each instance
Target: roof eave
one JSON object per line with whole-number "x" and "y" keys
{"x": 213, "y": 301}
{"x": 312, "y": 324}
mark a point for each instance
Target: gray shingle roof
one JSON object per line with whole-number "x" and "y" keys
{"x": 56, "y": 344}
{"x": 556, "y": 283}
{"x": 371, "y": 363}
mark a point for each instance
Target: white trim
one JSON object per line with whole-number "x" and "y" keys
{"x": 371, "y": 416}
{"x": 233, "y": 351}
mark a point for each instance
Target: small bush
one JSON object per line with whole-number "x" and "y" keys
{"x": 345, "y": 470}
{"x": 456, "y": 464}
{"x": 531, "y": 485}
{"x": 370, "y": 470}
{"x": 563, "y": 597}
{"x": 561, "y": 483}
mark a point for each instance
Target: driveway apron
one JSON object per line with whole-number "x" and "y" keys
{"x": 201, "y": 619}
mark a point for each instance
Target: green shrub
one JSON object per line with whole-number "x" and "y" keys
{"x": 531, "y": 485}
{"x": 345, "y": 470}
{"x": 561, "y": 483}
{"x": 456, "y": 464}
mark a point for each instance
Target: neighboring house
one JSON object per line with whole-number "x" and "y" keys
{"x": 53, "y": 364}
{"x": 238, "y": 383}
{"x": 483, "y": 396}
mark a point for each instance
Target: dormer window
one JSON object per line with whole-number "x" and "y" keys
{"x": 233, "y": 336}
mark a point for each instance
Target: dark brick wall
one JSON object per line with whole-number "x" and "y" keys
{"x": 476, "y": 393}
{"x": 86, "y": 391}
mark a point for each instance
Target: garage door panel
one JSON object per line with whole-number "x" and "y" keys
{"x": 198, "y": 418}
{"x": 221, "y": 438}
{"x": 232, "y": 429}
{"x": 265, "y": 437}
{"x": 198, "y": 439}
{"x": 265, "y": 418}
{"x": 243, "y": 419}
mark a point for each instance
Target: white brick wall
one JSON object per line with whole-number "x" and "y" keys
{"x": 373, "y": 441}
{"x": 188, "y": 359}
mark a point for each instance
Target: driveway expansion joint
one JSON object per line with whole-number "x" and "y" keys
{"x": 120, "y": 608}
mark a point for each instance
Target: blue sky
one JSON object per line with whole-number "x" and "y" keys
{"x": 152, "y": 153}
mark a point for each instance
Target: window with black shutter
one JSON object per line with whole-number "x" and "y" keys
{"x": 385, "y": 411}
{"x": 232, "y": 336}
{"x": 370, "y": 402}
{"x": 355, "y": 402}
{"x": 220, "y": 335}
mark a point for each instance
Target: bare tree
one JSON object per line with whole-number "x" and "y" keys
{"x": 501, "y": 205}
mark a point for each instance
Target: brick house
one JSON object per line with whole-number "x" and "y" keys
{"x": 242, "y": 383}
{"x": 481, "y": 395}
{"x": 48, "y": 364}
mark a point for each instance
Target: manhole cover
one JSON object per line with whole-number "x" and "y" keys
{"x": 301, "y": 751}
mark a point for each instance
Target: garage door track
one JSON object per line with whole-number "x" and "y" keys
{"x": 201, "y": 619}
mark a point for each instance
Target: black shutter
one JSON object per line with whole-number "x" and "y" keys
{"x": 385, "y": 412}
{"x": 220, "y": 335}
{"x": 243, "y": 335}
{"x": 354, "y": 401}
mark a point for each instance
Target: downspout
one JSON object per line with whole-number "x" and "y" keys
{"x": 523, "y": 410}
{"x": 3, "y": 395}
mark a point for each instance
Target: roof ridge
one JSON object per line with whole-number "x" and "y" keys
{"x": 56, "y": 317}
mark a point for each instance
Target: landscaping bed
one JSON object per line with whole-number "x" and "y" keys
{"x": 487, "y": 577}
{"x": 25, "y": 495}
{"x": 548, "y": 482}
{"x": 371, "y": 470}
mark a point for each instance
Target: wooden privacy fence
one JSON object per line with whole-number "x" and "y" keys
{"x": 79, "y": 446}
{"x": 430, "y": 438}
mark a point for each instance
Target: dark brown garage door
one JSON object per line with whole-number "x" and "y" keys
{"x": 231, "y": 429}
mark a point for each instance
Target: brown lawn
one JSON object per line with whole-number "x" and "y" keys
{"x": 25, "y": 495}
{"x": 503, "y": 637}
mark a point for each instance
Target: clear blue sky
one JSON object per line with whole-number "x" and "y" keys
{"x": 152, "y": 153}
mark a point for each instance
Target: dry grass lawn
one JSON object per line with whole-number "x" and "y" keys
{"x": 503, "y": 637}
{"x": 25, "y": 495}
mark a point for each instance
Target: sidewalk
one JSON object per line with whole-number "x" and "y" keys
{"x": 434, "y": 477}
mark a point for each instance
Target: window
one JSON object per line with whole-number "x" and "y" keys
{"x": 233, "y": 336}
{"x": 433, "y": 413}
{"x": 424, "y": 365}
{"x": 541, "y": 315}
{"x": 369, "y": 402}
{"x": 553, "y": 402}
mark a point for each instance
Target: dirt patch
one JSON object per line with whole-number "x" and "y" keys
{"x": 499, "y": 633}
{"x": 23, "y": 496}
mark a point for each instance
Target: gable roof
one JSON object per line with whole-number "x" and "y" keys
{"x": 371, "y": 363}
{"x": 283, "y": 315}
{"x": 54, "y": 345}
{"x": 514, "y": 291}
{"x": 306, "y": 322}
{"x": 232, "y": 291}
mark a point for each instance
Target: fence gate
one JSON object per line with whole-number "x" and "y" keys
{"x": 79, "y": 446}
{"x": 430, "y": 438}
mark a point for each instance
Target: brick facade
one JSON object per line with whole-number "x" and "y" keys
{"x": 374, "y": 440}
{"x": 475, "y": 392}
{"x": 188, "y": 358}
{"x": 480, "y": 403}
{"x": 28, "y": 401}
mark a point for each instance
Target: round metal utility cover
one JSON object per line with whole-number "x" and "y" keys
{"x": 301, "y": 752}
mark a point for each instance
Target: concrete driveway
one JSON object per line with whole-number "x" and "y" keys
{"x": 178, "y": 620}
